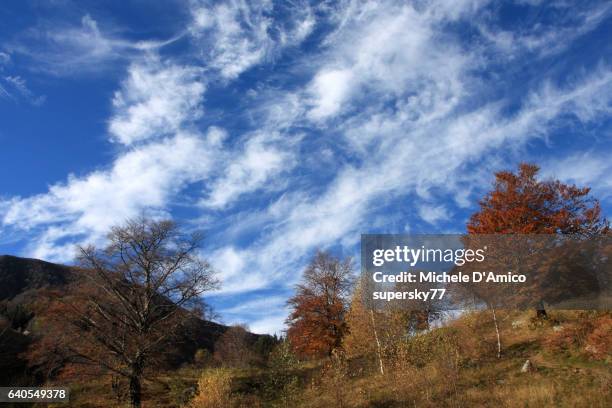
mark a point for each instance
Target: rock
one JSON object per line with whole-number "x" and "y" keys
{"x": 527, "y": 367}
{"x": 557, "y": 328}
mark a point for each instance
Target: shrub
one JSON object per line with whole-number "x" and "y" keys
{"x": 440, "y": 345}
{"x": 282, "y": 357}
{"x": 202, "y": 358}
{"x": 598, "y": 344}
{"x": 566, "y": 339}
{"x": 280, "y": 382}
{"x": 335, "y": 377}
{"x": 590, "y": 333}
{"x": 17, "y": 314}
{"x": 214, "y": 390}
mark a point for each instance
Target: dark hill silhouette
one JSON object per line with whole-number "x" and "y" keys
{"x": 19, "y": 275}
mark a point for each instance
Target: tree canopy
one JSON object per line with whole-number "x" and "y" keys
{"x": 317, "y": 320}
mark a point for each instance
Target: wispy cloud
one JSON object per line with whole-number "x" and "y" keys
{"x": 82, "y": 209}
{"x": 422, "y": 145}
{"x": 68, "y": 49}
{"x": 250, "y": 169}
{"x": 236, "y": 35}
{"x": 433, "y": 214}
{"x": 546, "y": 39}
{"x": 15, "y": 87}
{"x": 4, "y": 59}
{"x": 264, "y": 314}
{"x": 586, "y": 168}
{"x": 158, "y": 98}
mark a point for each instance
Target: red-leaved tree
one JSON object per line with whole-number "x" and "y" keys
{"x": 519, "y": 203}
{"x": 317, "y": 321}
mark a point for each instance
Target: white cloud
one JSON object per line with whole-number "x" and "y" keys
{"x": 19, "y": 89}
{"x": 274, "y": 324}
{"x": 160, "y": 155}
{"x": 586, "y": 169}
{"x": 4, "y": 59}
{"x": 68, "y": 49}
{"x": 544, "y": 39}
{"x": 258, "y": 306}
{"x": 236, "y": 35}
{"x": 388, "y": 51}
{"x": 230, "y": 262}
{"x": 265, "y": 314}
{"x": 157, "y": 99}
{"x": 302, "y": 28}
{"x": 419, "y": 121}
{"x": 85, "y": 207}
{"x": 300, "y": 225}
{"x": 330, "y": 90}
{"x": 406, "y": 160}
{"x": 433, "y": 214}
{"x": 249, "y": 170}
{"x": 14, "y": 87}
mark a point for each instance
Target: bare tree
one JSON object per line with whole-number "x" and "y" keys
{"x": 141, "y": 290}
{"x": 233, "y": 348}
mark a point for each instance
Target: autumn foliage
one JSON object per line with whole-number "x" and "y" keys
{"x": 317, "y": 321}
{"x": 521, "y": 204}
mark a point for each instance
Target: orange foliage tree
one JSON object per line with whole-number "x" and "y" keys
{"x": 317, "y": 321}
{"x": 521, "y": 204}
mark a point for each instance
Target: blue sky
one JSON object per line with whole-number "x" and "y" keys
{"x": 283, "y": 127}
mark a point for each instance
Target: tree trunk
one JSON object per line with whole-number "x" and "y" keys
{"x": 135, "y": 392}
{"x": 134, "y": 378}
{"x": 116, "y": 387}
{"x": 382, "y": 370}
{"x": 541, "y": 312}
{"x": 497, "y": 333}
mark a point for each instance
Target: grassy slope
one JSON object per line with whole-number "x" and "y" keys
{"x": 475, "y": 377}
{"x": 463, "y": 375}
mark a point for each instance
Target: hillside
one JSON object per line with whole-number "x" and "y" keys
{"x": 24, "y": 284}
{"x": 454, "y": 364}
{"x": 20, "y": 276}
{"x": 451, "y": 366}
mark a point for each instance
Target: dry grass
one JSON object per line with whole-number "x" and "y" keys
{"x": 453, "y": 367}
{"x": 457, "y": 367}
